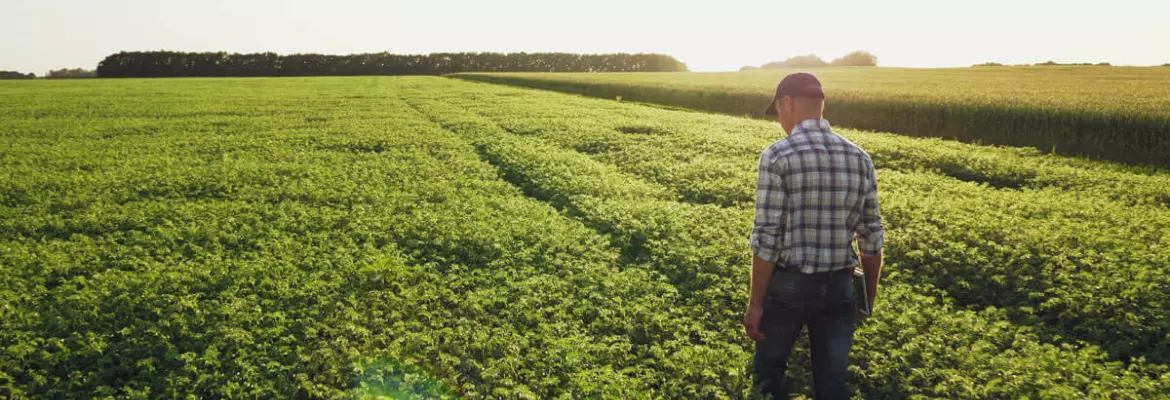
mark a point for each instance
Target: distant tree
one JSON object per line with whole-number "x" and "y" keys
{"x": 70, "y": 73}
{"x": 16, "y": 75}
{"x": 1084, "y": 64}
{"x": 748, "y": 68}
{"x": 170, "y": 63}
{"x": 858, "y": 58}
{"x": 988, "y": 64}
{"x": 806, "y": 61}
{"x": 1166, "y": 65}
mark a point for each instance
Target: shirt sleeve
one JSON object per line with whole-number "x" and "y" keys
{"x": 767, "y": 231}
{"x": 870, "y": 233}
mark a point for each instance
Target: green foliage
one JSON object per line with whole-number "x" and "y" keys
{"x": 343, "y": 245}
{"x": 430, "y": 238}
{"x": 860, "y": 58}
{"x": 172, "y": 64}
{"x": 1021, "y": 264}
{"x": 16, "y": 75}
{"x": 1055, "y": 109}
{"x": 71, "y": 73}
{"x": 1087, "y": 64}
{"x": 686, "y": 240}
{"x": 806, "y": 61}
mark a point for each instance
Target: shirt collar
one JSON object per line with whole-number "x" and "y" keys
{"x": 812, "y": 125}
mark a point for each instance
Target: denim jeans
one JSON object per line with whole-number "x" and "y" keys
{"x": 823, "y": 302}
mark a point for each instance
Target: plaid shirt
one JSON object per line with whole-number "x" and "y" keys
{"x": 817, "y": 191}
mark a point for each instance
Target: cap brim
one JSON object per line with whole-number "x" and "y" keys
{"x": 771, "y": 110}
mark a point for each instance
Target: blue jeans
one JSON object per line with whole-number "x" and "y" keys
{"x": 823, "y": 302}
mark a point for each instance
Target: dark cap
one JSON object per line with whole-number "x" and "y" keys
{"x": 800, "y": 84}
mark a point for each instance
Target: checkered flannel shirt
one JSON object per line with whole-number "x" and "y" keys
{"x": 816, "y": 193}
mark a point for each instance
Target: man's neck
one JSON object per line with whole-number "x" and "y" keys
{"x": 800, "y": 123}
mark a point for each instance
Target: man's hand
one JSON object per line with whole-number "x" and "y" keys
{"x": 751, "y": 322}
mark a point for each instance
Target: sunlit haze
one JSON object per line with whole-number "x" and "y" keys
{"x": 707, "y": 35}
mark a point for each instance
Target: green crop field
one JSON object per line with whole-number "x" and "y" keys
{"x": 1115, "y": 113}
{"x": 426, "y": 237}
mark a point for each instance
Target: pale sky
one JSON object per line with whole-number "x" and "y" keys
{"x": 715, "y": 35}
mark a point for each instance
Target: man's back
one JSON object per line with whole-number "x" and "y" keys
{"x": 819, "y": 190}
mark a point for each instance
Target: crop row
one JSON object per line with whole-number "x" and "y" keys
{"x": 1083, "y": 266}
{"x": 920, "y": 345}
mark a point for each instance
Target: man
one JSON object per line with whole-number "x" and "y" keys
{"x": 816, "y": 194}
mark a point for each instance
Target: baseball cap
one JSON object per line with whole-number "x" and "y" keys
{"x": 800, "y": 84}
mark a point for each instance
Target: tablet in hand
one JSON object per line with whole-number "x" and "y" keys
{"x": 864, "y": 309}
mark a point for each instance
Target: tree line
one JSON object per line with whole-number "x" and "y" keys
{"x": 175, "y": 64}
{"x": 71, "y": 73}
{"x": 858, "y": 58}
{"x": 1045, "y": 64}
{"x": 1051, "y": 63}
{"x": 16, "y": 75}
{"x": 63, "y": 73}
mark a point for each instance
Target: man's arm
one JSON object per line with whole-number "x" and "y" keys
{"x": 765, "y": 242}
{"x": 767, "y": 234}
{"x": 761, "y": 275}
{"x": 871, "y": 234}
